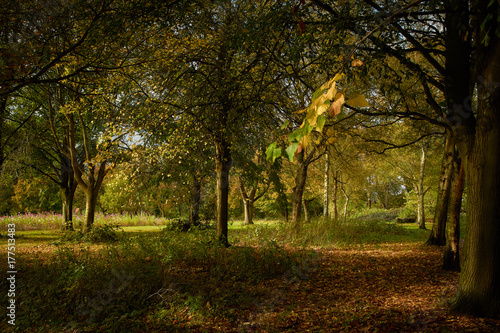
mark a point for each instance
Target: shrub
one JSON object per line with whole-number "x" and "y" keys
{"x": 98, "y": 234}
{"x": 104, "y": 233}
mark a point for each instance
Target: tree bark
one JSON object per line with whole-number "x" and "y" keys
{"x": 386, "y": 195}
{"x": 223, "y": 166}
{"x": 438, "y": 233}
{"x": 298, "y": 191}
{"x": 194, "y": 211}
{"x": 479, "y": 291}
{"x": 92, "y": 193}
{"x": 3, "y": 111}
{"x": 421, "y": 191}
{"x": 451, "y": 259}
{"x": 346, "y": 205}
{"x": 326, "y": 187}
{"x": 67, "y": 188}
{"x": 248, "y": 201}
{"x": 305, "y": 206}
{"x": 335, "y": 211}
{"x": 67, "y": 197}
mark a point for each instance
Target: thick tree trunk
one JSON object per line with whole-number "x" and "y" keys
{"x": 326, "y": 187}
{"x": 248, "y": 211}
{"x": 90, "y": 204}
{"x": 223, "y": 166}
{"x": 194, "y": 211}
{"x": 451, "y": 259}
{"x": 298, "y": 191}
{"x": 92, "y": 193}
{"x": 67, "y": 197}
{"x": 438, "y": 232}
{"x": 479, "y": 291}
{"x": 421, "y": 191}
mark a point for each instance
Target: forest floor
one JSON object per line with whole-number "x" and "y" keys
{"x": 382, "y": 288}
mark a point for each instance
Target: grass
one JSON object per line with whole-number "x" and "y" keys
{"x": 152, "y": 278}
{"x": 53, "y": 221}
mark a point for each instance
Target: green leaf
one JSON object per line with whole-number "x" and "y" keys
{"x": 299, "y": 133}
{"x": 290, "y": 151}
{"x": 285, "y": 125}
{"x": 317, "y": 93}
{"x": 320, "y": 123}
{"x": 272, "y": 152}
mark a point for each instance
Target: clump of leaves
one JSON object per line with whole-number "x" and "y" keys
{"x": 177, "y": 224}
{"x": 98, "y": 234}
{"x": 184, "y": 225}
{"x": 103, "y": 234}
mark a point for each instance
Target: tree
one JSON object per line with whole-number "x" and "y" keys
{"x": 478, "y": 137}
{"x": 221, "y": 75}
{"x": 52, "y": 145}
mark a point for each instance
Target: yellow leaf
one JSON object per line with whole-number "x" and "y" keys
{"x": 331, "y": 92}
{"x": 304, "y": 142}
{"x": 312, "y": 117}
{"x": 358, "y": 101}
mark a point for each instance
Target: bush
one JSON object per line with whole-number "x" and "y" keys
{"x": 98, "y": 234}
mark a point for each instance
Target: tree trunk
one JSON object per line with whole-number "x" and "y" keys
{"x": 438, "y": 232}
{"x": 386, "y": 199}
{"x": 90, "y": 204}
{"x": 421, "y": 191}
{"x": 92, "y": 193}
{"x": 479, "y": 291}
{"x": 222, "y": 165}
{"x": 298, "y": 191}
{"x": 3, "y": 112}
{"x": 335, "y": 211}
{"x": 94, "y": 178}
{"x": 346, "y": 203}
{"x": 451, "y": 260}
{"x": 67, "y": 197}
{"x": 194, "y": 211}
{"x": 67, "y": 187}
{"x": 248, "y": 201}
{"x": 305, "y": 206}
{"x": 248, "y": 210}
{"x": 326, "y": 187}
